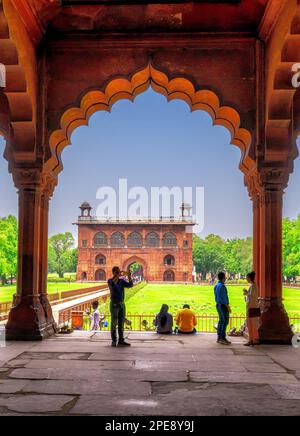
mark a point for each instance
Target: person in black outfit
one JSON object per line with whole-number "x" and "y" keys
{"x": 117, "y": 287}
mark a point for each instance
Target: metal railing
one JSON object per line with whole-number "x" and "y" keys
{"x": 206, "y": 323}
{"x": 138, "y": 322}
{"x": 145, "y": 322}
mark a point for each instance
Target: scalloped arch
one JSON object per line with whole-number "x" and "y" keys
{"x": 17, "y": 121}
{"x": 121, "y": 88}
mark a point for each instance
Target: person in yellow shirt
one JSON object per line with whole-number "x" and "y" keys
{"x": 186, "y": 321}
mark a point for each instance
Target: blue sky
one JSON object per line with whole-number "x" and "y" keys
{"x": 153, "y": 143}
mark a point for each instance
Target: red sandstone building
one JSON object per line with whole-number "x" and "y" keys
{"x": 163, "y": 247}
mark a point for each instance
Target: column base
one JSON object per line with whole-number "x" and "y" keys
{"x": 275, "y": 325}
{"x": 27, "y": 322}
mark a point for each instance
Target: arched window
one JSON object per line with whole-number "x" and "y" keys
{"x": 100, "y": 275}
{"x": 152, "y": 240}
{"x": 83, "y": 276}
{"x": 169, "y": 240}
{"x": 135, "y": 240}
{"x": 100, "y": 240}
{"x": 169, "y": 276}
{"x": 169, "y": 260}
{"x": 117, "y": 240}
{"x": 100, "y": 259}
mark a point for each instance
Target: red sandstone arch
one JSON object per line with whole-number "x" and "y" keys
{"x": 283, "y": 102}
{"x": 169, "y": 276}
{"x": 100, "y": 275}
{"x": 100, "y": 259}
{"x": 17, "y": 115}
{"x": 169, "y": 260}
{"x": 121, "y": 88}
{"x": 136, "y": 259}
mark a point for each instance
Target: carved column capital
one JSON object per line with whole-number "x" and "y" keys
{"x": 27, "y": 178}
{"x": 48, "y": 183}
{"x": 272, "y": 178}
{"x": 252, "y": 183}
{"x": 34, "y": 178}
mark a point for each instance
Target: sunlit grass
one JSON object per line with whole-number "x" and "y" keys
{"x": 201, "y": 299}
{"x": 7, "y": 292}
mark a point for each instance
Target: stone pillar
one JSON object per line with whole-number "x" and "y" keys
{"x": 256, "y": 236}
{"x": 43, "y": 261}
{"x": 251, "y": 181}
{"x": 275, "y": 327}
{"x": 27, "y": 319}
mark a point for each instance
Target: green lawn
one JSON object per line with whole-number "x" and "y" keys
{"x": 151, "y": 297}
{"x": 6, "y": 292}
{"x": 201, "y": 299}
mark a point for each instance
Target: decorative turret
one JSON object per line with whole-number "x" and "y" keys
{"x": 85, "y": 209}
{"x": 186, "y": 210}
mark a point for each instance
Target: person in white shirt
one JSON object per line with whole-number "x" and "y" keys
{"x": 253, "y": 310}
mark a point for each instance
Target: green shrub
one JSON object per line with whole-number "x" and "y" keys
{"x": 129, "y": 293}
{"x": 68, "y": 277}
{"x": 133, "y": 291}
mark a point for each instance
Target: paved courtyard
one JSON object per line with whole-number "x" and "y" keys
{"x": 82, "y": 375}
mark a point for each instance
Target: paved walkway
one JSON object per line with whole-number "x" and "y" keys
{"x": 63, "y": 305}
{"x": 83, "y": 375}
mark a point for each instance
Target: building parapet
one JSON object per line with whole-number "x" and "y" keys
{"x": 143, "y": 221}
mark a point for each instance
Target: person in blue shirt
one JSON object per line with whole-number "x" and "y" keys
{"x": 223, "y": 308}
{"x": 117, "y": 287}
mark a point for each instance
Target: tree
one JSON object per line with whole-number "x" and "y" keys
{"x": 8, "y": 246}
{"x": 51, "y": 259}
{"x": 232, "y": 260}
{"x": 238, "y": 256}
{"x": 291, "y": 248}
{"x": 246, "y": 255}
{"x": 69, "y": 259}
{"x": 214, "y": 254}
{"x": 60, "y": 253}
{"x": 208, "y": 254}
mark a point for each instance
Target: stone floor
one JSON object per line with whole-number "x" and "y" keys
{"x": 181, "y": 376}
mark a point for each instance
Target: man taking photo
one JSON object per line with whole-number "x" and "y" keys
{"x": 117, "y": 286}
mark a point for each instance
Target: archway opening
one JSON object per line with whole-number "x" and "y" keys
{"x": 84, "y": 276}
{"x": 169, "y": 260}
{"x": 169, "y": 276}
{"x": 154, "y": 143}
{"x": 178, "y": 88}
{"x": 137, "y": 271}
{"x": 100, "y": 275}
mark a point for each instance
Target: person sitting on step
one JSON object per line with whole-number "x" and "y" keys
{"x": 164, "y": 321}
{"x": 186, "y": 321}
